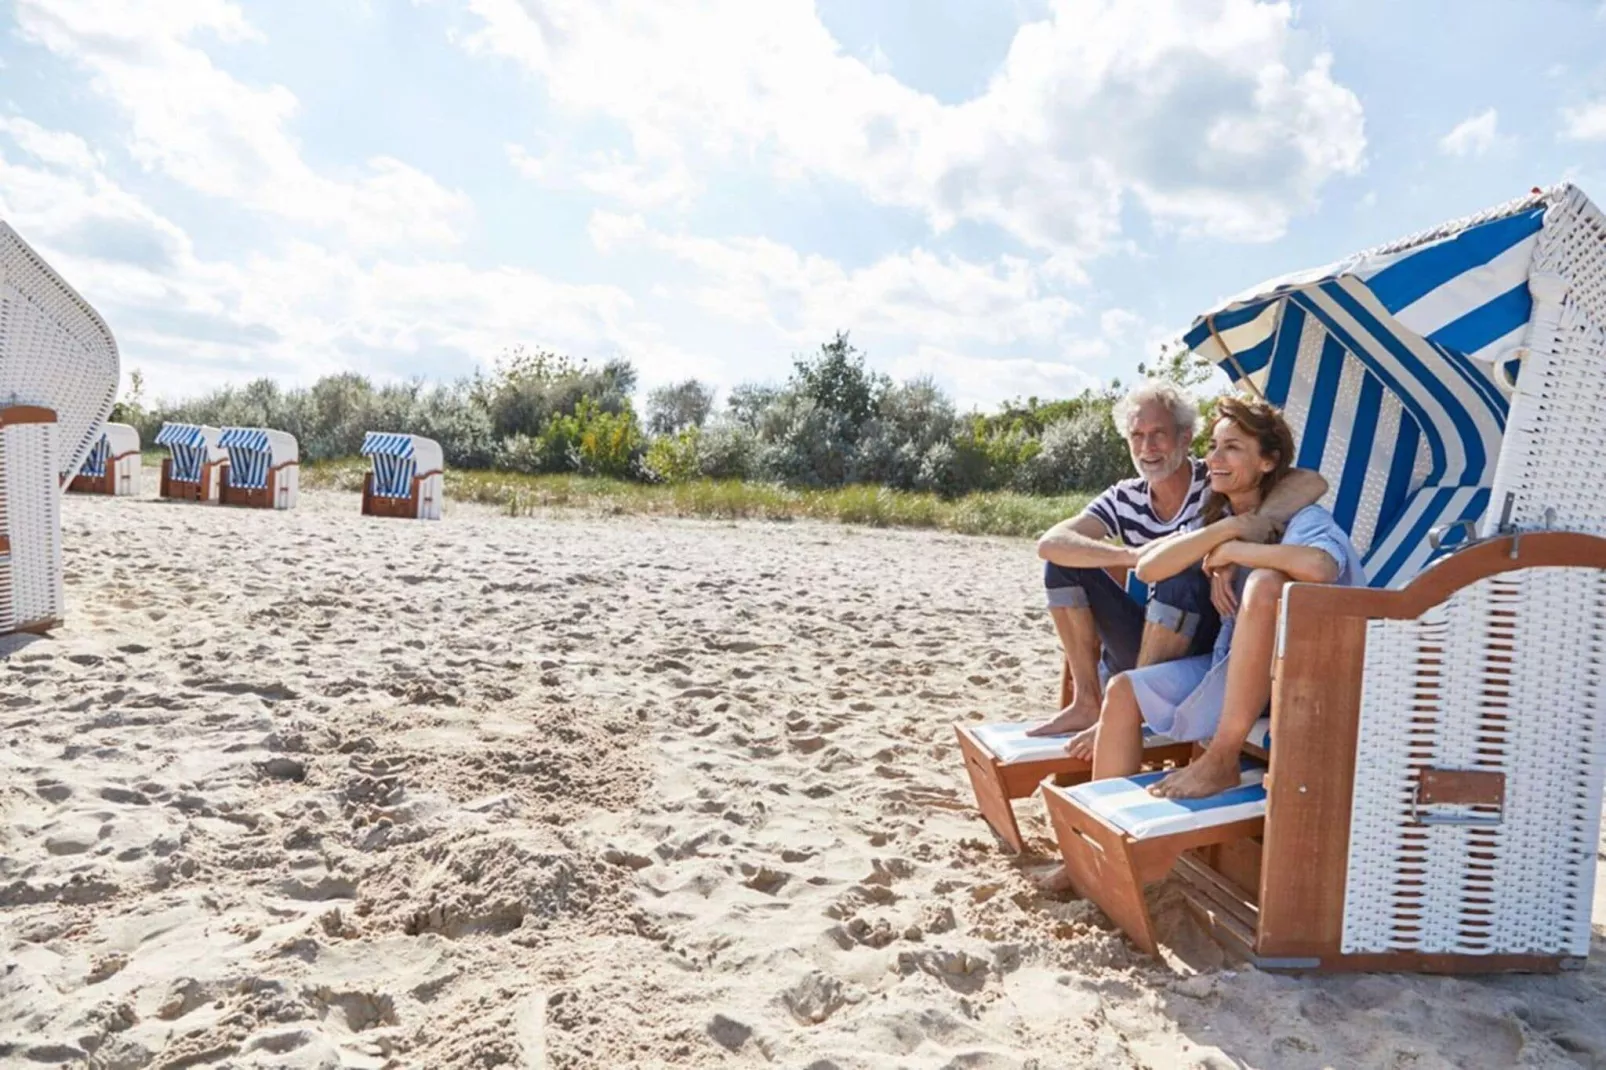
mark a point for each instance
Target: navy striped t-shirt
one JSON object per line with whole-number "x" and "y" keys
{"x": 1127, "y": 512}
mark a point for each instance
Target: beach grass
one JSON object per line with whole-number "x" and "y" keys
{"x": 998, "y": 513}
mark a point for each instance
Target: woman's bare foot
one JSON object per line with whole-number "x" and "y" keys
{"x": 1073, "y": 718}
{"x": 1081, "y": 744}
{"x": 1209, "y": 774}
{"x": 1055, "y": 883}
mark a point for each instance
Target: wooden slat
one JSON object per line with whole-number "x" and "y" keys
{"x": 26, "y": 414}
{"x": 1466, "y": 787}
{"x": 1316, "y": 707}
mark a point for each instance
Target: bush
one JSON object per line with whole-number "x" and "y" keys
{"x": 727, "y": 451}
{"x": 673, "y": 458}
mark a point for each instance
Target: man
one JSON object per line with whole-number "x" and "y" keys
{"x": 1094, "y": 617}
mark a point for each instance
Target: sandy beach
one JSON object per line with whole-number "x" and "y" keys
{"x": 309, "y": 790}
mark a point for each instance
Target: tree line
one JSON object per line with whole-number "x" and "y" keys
{"x": 833, "y": 422}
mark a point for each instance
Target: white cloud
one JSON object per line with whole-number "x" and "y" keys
{"x": 1473, "y": 136}
{"x": 916, "y": 295}
{"x": 1586, "y": 122}
{"x": 978, "y": 381}
{"x": 200, "y": 126}
{"x": 607, "y": 175}
{"x": 1215, "y": 118}
{"x": 297, "y": 312}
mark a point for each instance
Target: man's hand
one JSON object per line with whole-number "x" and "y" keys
{"x": 1256, "y": 527}
{"x": 1222, "y": 590}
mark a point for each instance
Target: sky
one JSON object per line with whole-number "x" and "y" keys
{"x": 1016, "y": 197}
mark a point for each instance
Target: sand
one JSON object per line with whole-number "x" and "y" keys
{"x": 305, "y": 790}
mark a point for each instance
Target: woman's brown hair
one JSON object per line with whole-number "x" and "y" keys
{"x": 1263, "y": 422}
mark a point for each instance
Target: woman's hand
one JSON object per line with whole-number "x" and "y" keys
{"x": 1223, "y": 590}
{"x": 1223, "y": 556}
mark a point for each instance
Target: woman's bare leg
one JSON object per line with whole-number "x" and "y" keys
{"x": 1117, "y": 751}
{"x": 1248, "y": 690}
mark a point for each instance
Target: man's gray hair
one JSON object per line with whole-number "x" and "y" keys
{"x": 1158, "y": 391}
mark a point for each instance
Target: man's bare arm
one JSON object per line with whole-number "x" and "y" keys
{"x": 1299, "y": 488}
{"x": 1080, "y": 543}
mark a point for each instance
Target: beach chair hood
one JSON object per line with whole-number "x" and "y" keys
{"x": 1398, "y": 370}
{"x": 58, "y": 353}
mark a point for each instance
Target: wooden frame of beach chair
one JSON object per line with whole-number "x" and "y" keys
{"x": 998, "y": 777}
{"x": 407, "y": 479}
{"x": 1404, "y": 827}
{"x": 58, "y": 372}
{"x": 264, "y": 469}
{"x": 194, "y": 471}
{"x": 114, "y": 466}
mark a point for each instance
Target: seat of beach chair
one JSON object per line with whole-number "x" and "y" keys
{"x": 1115, "y": 837}
{"x": 1005, "y": 764}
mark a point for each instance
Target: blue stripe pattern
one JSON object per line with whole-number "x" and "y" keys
{"x": 250, "y": 456}
{"x": 188, "y": 462}
{"x": 394, "y": 463}
{"x": 95, "y": 463}
{"x": 180, "y": 435}
{"x": 1423, "y": 322}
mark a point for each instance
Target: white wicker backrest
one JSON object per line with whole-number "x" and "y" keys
{"x": 55, "y": 351}
{"x": 1484, "y": 681}
{"x": 1547, "y": 475}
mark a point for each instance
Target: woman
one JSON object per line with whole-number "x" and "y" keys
{"x": 1215, "y": 696}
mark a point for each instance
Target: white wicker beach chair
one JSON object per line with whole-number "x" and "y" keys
{"x": 407, "y": 478}
{"x": 1437, "y": 742}
{"x": 114, "y": 465}
{"x": 264, "y": 469}
{"x": 58, "y": 380}
{"x": 193, "y": 470}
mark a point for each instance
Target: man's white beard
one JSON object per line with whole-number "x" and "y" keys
{"x": 1157, "y": 471}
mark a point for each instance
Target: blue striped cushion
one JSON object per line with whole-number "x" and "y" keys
{"x": 1260, "y": 734}
{"x": 1009, "y": 743}
{"x": 1125, "y": 802}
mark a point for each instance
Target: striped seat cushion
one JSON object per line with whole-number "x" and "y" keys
{"x": 1009, "y": 742}
{"x": 1260, "y": 735}
{"x": 1125, "y": 802}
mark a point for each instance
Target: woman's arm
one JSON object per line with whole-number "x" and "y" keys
{"x": 1305, "y": 564}
{"x": 1164, "y": 558}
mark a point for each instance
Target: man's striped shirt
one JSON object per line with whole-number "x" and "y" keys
{"x": 1127, "y": 512}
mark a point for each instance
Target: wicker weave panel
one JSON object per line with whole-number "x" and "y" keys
{"x": 29, "y": 485}
{"x": 1558, "y": 412}
{"x": 54, "y": 351}
{"x": 1485, "y": 681}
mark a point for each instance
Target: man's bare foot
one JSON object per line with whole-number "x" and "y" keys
{"x": 1073, "y": 718}
{"x": 1208, "y": 774}
{"x": 1081, "y": 745}
{"x": 1056, "y": 882}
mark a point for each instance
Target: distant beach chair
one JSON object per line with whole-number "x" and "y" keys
{"x": 407, "y": 479}
{"x": 58, "y": 374}
{"x": 264, "y": 469}
{"x": 193, "y": 470}
{"x": 1418, "y": 811}
{"x": 113, "y": 466}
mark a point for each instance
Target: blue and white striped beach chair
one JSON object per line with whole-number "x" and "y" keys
{"x": 191, "y": 471}
{"x": 264, "y": 470}
{"x": 1434, "y": 792}
{"x": 407, "y": 478}
{"x": 113, "y": 465}
{"x": 58, "y": 376}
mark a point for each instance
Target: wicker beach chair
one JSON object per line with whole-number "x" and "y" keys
{"x": 58, "y": 380}
{"x": 264, "y": 469}
{"x": 407, "y": 478}
{"x": 113, "y": 465}
{"x": 1417, "y": 812}
{"x": 194, "y": 468}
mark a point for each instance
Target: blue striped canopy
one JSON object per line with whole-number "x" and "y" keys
{"x": 250, "y": 438}
{"x": 181, "y": 435}
{"x": 99, "y": 456}
{"x": 250, "y": 456}
{"x": 377, "y": 443}
{"x": 1384, "y": 365}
